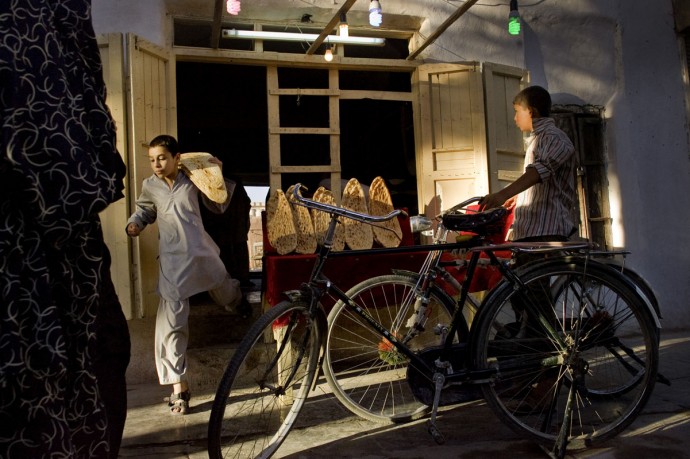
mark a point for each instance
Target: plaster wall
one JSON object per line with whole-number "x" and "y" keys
{"x": 146, "y": 19}
{"x": 621, "y": 55}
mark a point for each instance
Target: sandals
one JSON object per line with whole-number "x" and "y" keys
{"x": 179, "y": 403}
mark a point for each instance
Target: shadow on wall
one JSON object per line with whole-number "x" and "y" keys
{"x": 564, "y": 98}
{"x": 534, "y": 60}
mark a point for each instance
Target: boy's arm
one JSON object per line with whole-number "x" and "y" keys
{"x": 500, "y": 198}
{"x": 144, "y": 215}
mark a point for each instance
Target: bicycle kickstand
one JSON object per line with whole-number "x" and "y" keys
{"x": 436, "y": 434}
{"x": 559, "y": 447}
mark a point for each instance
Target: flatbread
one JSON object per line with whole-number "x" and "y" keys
{"x": 306, "y": 239}
{"x": 322, "y": 219}
{"x": 388, "y": 233}
{"x": 207, "y": 176}
{"x": 280, "y": 223}
{"x": 358, "y": 235}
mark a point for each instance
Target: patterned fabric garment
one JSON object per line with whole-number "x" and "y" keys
{"x": 58, "y": 168}
{"x": 545, "y": 208}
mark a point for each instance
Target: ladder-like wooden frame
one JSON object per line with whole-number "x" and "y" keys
{"x": 275, "y": 130}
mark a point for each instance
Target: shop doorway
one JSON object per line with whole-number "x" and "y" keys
{"x": 222, "y": 109}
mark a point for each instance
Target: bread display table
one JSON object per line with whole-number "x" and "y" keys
{"x": 345, "y": 269}
{"x": 350, "y": 267}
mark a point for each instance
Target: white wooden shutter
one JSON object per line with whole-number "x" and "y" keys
{"x": 114, "y": 217}
{"x": 450, "y": 135}
{"x": 505, "y": 146}
{"x": 151, "y": 96}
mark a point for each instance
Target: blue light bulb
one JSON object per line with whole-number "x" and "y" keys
{"x": 375, "y": 17}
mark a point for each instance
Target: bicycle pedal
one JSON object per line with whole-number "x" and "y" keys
{"x": 435, "y": 433}
{"x": 423, "y": 388}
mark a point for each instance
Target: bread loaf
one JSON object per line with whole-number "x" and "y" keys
{"x": 206, "y": 175}
{"x": 280, "y": 223}
{"x": 322, "y": 219}
{"x": 388, "y": 233}
{"x": 306, "y": 240}
{"x": 358, "y": 235}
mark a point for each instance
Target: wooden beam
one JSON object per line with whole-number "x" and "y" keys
{"x": 304, "y": 169}
{"x": 230, "y": 56}
{"x": 442, "y": 28}
{"x": 305, "y": 92}
{"x": 216, "y": 26}
{"x": 358, "y": 94}
{"x": 330, "y": 26}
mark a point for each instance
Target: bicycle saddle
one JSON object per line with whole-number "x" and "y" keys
{"x": 486, "y": 222}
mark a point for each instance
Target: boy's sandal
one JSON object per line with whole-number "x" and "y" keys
{"x": 179, "y": 403}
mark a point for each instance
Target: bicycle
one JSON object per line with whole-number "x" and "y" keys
{"x": 376, "y": 403}
{"x": 537, "y": 365}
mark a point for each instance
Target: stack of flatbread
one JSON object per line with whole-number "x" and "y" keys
{"x": 388, "y": 233}
{"x": 358, "y": 235}
{"x": 306, "y": 240}
{"x": 205, "y": 175}
{"x": 322, "y": 219}
{"x": 280, "y": 223}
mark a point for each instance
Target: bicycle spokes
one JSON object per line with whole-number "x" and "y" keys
{"x": 573, "y": 354}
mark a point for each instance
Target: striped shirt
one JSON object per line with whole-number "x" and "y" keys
{"x": 545, "y": 209}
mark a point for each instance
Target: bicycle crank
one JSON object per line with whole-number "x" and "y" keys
{"x": 423, "y": 387}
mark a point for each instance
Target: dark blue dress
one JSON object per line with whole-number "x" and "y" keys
{"x": 58, "y": 169}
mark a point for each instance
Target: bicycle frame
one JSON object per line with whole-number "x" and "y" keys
{"x": 318, "y": 285}
{"x": 443, "y": 366}
{"x": 565, "y": 322}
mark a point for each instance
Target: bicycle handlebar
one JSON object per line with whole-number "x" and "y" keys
{"x": 464, "y": 203}
{"x": 366, "y": 218}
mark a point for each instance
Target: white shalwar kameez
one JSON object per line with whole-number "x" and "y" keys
{"x": 189, "y": 263}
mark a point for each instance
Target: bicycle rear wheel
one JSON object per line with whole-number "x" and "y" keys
{"x": 366, "y": 372}
{"x": 589, "y": 291}
{"x": 265, "y": 384}
{"x": 580, "y": 360}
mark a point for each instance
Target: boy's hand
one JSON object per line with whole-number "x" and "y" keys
{"x": 133, "y": 229}
{"x": 490, "y": 201}
{"x": 493, "y": 200}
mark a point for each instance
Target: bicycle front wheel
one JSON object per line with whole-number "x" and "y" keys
{"x": 573, "y": 364}
{"x": 366, "y": 372}
{"x": 265, "y": 384}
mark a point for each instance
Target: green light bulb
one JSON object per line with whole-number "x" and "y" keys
{"x": 514, "y": 25}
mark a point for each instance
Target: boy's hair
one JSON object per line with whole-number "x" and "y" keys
{"x": 166, "y": 141}
{"x": 536, "y": 99}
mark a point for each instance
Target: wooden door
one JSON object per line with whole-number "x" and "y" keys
{"x": 505, "y": 145}
{"x": 151, "y": 101}
{"x": 114, "y": 217}
{"x": 450, "y": 135}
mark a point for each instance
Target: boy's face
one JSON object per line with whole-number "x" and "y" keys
{"x": 163, "y": 164}
{"x": 523, "y": 118}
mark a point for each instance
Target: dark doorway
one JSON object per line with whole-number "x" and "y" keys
{"x": 222, "y": 109}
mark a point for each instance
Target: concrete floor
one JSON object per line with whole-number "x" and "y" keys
{"x": 327, "y": 430}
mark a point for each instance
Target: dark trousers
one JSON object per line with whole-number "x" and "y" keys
{"x": 539, "y": 293}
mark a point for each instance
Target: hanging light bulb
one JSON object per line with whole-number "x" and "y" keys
{"x": 343, "y": 29}
{"x": 233, "y": 7}
{"x": 514, "y": 19}
{"x": 328, "y": 55}
{"x": 375, "y": 17}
